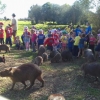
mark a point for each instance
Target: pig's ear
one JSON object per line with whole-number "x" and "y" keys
{"x": 8, "y": 69}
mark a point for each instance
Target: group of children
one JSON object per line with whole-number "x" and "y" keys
{"x": 56, "y": 39}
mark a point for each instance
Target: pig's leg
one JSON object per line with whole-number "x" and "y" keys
{"x": 24, "y": 84}
{"x": 41, "y": 80}
{"x": 12, "y": 86}
{"x": 32, "y": 83}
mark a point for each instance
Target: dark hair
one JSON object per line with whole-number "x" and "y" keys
{"x": 13, "y": 15}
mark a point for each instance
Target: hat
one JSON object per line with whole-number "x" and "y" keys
{"x": 25, "y": 27}
{"x": 1, "y": 23}
{"x": 40, "y": 30}
{"x": 64, "y": 32}
{"x": 13, "y": 15}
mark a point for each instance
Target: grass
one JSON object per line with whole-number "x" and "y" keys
{"x": 65, "y": 78}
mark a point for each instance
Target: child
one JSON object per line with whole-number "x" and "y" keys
{"x": 49, "y": 42}
{"x": 70, "y": 42}
{"x": 1, "y": 33}
{"x": 33, "y": 39}
{"x": 8, "y": 31}
{"x": 76, "y": 43}
{"x": 26, "y": 38}
{"x": 81, "y": 44}
{"x": 17, "y": 42}
{"x": 40, "y": 38}
{"x": 92, "y": 41}
{"x": 97, "y": 48}
{"x": 64, "y": 40}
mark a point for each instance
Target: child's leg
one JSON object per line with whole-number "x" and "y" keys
{"x": 10, "y": 41}
{"x": 2, "y": 40}
{"x": 79, "y": 52}
{"x": 33, "y": 47}
{"x": 83, "y": 52}
{"x": 28, "y": 45}
{"x": 6, "y": 40}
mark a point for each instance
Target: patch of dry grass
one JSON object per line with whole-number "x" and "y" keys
{"x": 65, "y": 78}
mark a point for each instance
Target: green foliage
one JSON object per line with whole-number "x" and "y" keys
{"x": 2, "y": 7}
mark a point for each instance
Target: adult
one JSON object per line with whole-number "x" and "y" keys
{"x": 88, "y": 30}
{"x": 14, "y": 26}
{"x": 78, "y": 30}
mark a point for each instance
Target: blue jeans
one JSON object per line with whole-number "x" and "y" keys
{"x": 33, "y": 46}
{"x": 9, "y": 41}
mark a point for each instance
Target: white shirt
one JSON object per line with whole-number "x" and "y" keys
{"x": 14, "y": 22}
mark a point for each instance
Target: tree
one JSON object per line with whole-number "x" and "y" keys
{"x": 35, "y": 13}
{"x": 46, "y": 11}
{"x": 2, "y": 7}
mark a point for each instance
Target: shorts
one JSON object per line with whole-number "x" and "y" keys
{"x": 81, "y": 46}
{"x": 14, "y": 32}
{"x": 97, "y": 48}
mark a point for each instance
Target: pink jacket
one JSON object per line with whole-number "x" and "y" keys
{"x": 33, "y": 37}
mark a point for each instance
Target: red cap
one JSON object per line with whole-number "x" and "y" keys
{"x": 1, "y": 23}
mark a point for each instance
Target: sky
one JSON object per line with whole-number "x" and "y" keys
{"x": 21, "y": 7}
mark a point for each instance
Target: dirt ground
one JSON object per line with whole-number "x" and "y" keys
{"x": 64, "y": 78}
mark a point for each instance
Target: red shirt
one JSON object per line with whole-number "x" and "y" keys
{"x": 49, "y": 41}
{"x": 1, "y": 33}
{"x": 92, "y": 40}
{"x": 55, "y": 36}
{"x": 33, "y": 37}
{"x": 8, "y": 32}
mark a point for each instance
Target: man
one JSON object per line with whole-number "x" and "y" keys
{"x": 14, "y": 26}
{"x": 88, "y": 31}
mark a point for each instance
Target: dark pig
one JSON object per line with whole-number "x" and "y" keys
{"x": 2, "y": 59}
{"x": 88, "y": 54}
{"x": 4, "y": 47}
{"x": 41, "y": 50}
{"x": 67, "y": 55}
{"x": 28, "y": 71}
{"x": 45, "y": 56}
{"x": 38, "y": 60}
{"x": 92, "y": 69}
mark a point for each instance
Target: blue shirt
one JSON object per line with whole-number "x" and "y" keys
{"x": 77, "y": 31}
{"x": 82, "y": 40}
{"x": 88, "y": 29}
{"x": 41, "y": 38}
{"x": 70, "y": 43}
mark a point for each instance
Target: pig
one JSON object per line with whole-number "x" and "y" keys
{"x": 45, "y": 56}
{"x": 2, "y": 59}
{"x": 41, "y": 50}
{"x": 88, "y": 54}
{"x": 38, "y": 60}
{"x": 66, "y": 55}
{"x": 56, "y": 97}
{"x": 92, "y": 69}
{"x": 4, "y": 47}
{"x": 53, "y": 53}
{"x": 24, "y": 72}
{"x": 57, "y": 58}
